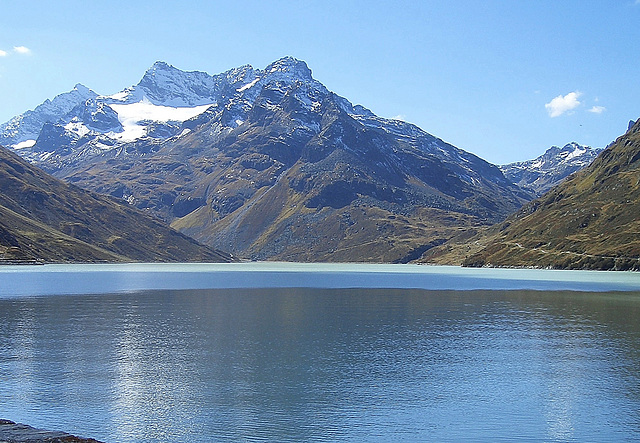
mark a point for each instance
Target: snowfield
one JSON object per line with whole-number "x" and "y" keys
{"x": 132, "y": 115}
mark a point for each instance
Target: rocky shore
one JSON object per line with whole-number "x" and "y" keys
{"x": 11, "y": 432}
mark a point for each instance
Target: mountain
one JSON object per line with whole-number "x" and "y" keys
{"x": 269, "y": 164}
{"x": 590, "y": 221}
{"x": 551, "y": 168}
{"x": 46, "y": 219}
{"x": 23, "y": 130}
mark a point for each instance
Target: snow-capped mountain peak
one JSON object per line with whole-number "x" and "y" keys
{"x": 573, "y": 151}
{"x": 549, "y": 169}
{"x": 166, "y": 85}
{"x": 26, "y": 127}
{"x": 82, "y": 89}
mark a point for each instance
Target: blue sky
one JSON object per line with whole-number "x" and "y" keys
{"x": 502, "y": 79}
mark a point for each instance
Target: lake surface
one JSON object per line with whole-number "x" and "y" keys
{"x": 342, "y": 359}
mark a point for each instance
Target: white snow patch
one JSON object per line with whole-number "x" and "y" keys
{"x": 537, "y": 164}
{"x": 77, "y": 128}
{"x": 577, "y": 152}
{"x": 248, "y": 85}
{"x": 24, "y": 144}
{"x": 145, "y": 110}
{"x": 131, "y": 115}
{"x": 308, "y": 103}
{"x": 103, "y": 147}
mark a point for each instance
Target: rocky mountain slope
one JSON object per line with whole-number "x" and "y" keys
{"x": 45, "y": 219}
{"x": 542, "y": 173}
{"x": 589, "y": 221}
{"x": 269, "y": 164}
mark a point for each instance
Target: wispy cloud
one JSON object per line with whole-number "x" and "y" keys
{"x": 21, "y": 50}
{"x": 3, "y": 53}
{"x": 597, "y": 109}
{"x": 563, "y": 103}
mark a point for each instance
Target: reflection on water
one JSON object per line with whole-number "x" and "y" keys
{"x": 325, "y": 365}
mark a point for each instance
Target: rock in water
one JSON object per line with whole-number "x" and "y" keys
{"x": 11, "y": 432}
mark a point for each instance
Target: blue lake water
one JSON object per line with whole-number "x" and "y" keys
{"x": 283, "y": 352}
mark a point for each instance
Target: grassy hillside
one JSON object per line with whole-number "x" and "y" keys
{"x": 45, "y": 219}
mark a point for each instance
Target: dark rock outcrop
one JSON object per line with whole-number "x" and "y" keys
{"x": 11, "y": 432}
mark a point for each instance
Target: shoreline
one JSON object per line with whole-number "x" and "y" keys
{"x": 116, "y": 278}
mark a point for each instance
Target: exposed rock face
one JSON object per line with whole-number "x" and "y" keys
{"x": 27, "y": 126}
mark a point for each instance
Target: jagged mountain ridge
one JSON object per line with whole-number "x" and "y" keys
{"x": 276, "y": 166}
{"x": 46, "y": 219}
{"x": 544, "y": 172}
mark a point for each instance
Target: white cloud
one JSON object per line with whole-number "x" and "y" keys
{"x": 16, "y": 50}
{"x": 400, "y": 117}
{"x": 21, "y": 50}
{"x": 562, "y": 104}
{"x": 597, "y": 109}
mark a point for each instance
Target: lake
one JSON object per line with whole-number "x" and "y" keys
{"x": 288, "y": 352}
